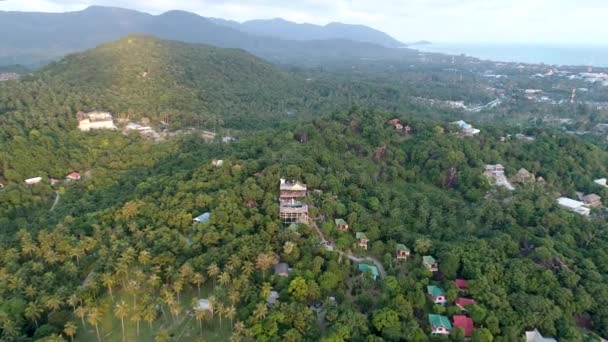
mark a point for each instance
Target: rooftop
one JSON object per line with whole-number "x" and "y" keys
{"x": 463, "y": 302}
{"x": 340, "y": 222}
{"x": 439, "y": 320}
{"x": 293, "y": 186}
{"x": 435, "y": 291}
{"x": 536, "y": 336}
{"x": 429, "y": 260}
{"x": 401, "y": 247}
{"x": 361, "y": 235}
{"x": 203, "y": 217}
{"x": 461, "y": 284}
{"x": 366, "y": 267}
{"x": 465, "y": 323}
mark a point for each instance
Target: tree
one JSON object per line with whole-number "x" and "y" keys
{"x": 213, "y": 271}
{"x": 198, "y": 279}
{"x": 230, "y": 313}
{"x": 263, "y": 262}
{"x": 385, "y": 319}
{"x": 482, "y": 335}
{"x": 200, "y": 316}
{"x": 298, "y": 289}
{"x": 94, "y": 317}
{"x": 136, "y": 316}
{"x": 70, "y": 329}
{"x": 121, "y": 311}
{"x": 81, "y": 312}
{"x": 108, "y": 280}
{"x": 260, "y": 312}
{"x": 33, "y": 312}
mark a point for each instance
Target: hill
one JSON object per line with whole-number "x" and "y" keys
{"x": 147, "y": 76}
{"x": 41, "y": 37}
{"x": 284, "y": 29}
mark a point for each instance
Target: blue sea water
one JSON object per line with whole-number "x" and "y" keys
{"x": 586, "y": 55}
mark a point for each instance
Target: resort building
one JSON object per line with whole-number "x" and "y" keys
{"x": 95, "y": 120}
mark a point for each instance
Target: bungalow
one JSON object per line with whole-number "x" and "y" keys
{"x": 430, "y": 263}
{"x": 602, "y": 181}
{"x": 363, "y": 240}
{"x": 461, "y": 284}
{"x": 217, "y": 163}
{"x": 440, "y": 325}
{"x": 364, "y": 268}
{"x": 32, "y": 181}
{"x": 592, "y": 201}
{"x": 281, "y": 269}
{"x": 272, "y": 298}
{"x": 536, "y": 336}
{"x": 574, "y": 206}
{"x": 203, "y": 218}
{"x": 204, "y": 305}
{"x": 402, "y": 251}
{"x": 341, "y": 225}
{"x": 436, "y": 294}
{"x": 462, "y": 303}
{"x": 465, "y": 323}
{"x": 74, "y": 176}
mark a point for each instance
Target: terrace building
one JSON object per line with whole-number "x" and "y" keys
{"x": 291, "y": 210}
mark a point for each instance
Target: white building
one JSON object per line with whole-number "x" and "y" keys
{"x": 32, "y": 181}
{"x": 204, "y": 305}
{"x": 536, "y": 336}
{"x": 601, "y": 181}
{"x": 574, "y": 206}
{"x": 95, "y": 120}
{"x": 467, "y": 129}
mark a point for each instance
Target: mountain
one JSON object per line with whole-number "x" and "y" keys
{"x": 146, "y": 76}
{"x": 284, "y": 29}
{"x": 41, "y": 37}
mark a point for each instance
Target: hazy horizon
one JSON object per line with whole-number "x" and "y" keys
{"x": 446, "y": 21}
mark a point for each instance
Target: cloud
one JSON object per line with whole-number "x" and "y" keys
{"x": 550, "y": 21}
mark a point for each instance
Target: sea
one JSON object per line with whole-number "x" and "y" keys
{"x": 578, "y": 55}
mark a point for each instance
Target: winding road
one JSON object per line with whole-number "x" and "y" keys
{"x": 349, "y": 255}
{"x": 56, "y": 200}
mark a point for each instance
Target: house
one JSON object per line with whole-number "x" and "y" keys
{"x": 440, "y": 325}
{"x": 203, "y": 218}
{"x": 430, "y": 263}
{"x": 32, "y": 181}
{"x": 95, "y": 120}
{"x": 363, "y": 240}
{"x": 497, "y": 173}
{"x": 574, "y": 206}
{"x": 465, "y": 323}
{"x": 602, "y": 181}
{"x": 227, "y": 140}
{"x": 341, "y": 225}
{"x": 461, "y": 284}
{"x": 592, "y": 201}
{"x": 74, "y": 176}
{"x": 436, "y": 294}
{"x": 54, "y": 181}
{"x": 466, "y": 129}
{"x": 217, "y": 163}
{"x": 363, "y": 268}
{"x": 536, "y": 336}
{"x": 524, "y": 176}
{"x": 402, "y": 251}
{"x": 462, "y": 303}
{"x": 291, "y": 190}
{"x": 290, "y": 208}
{"x": 281, "y": 269}
{"x": 272, "y": 298}
{"x": 204, "y": 305}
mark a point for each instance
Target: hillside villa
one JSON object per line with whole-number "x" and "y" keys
{"x": 440, "y": 325}
{"x": 402, "y": 251}
{"x": 74, "y": 176}
{"x": 497, "y": 173}
{"x": 341, "y": 225}
{"x": 574, "y": 206}
{"x": 363, "y": 240}
{"x": 430, "y": 263}
{"x": 95, "y": 120}
{"x": 436, "y": 294}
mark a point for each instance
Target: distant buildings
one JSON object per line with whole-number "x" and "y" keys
{"x": 574, "y": 206}
{"x": 8, "y": 76}
{"x": 466, "y": 129}
{"x": 95, "y": 120}
{"x": 497, "y": 173}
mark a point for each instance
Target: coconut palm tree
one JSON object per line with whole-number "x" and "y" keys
{"x": 94, "y": 317}
{"x": 200, "y": 316}
{"x": 33, "y": 312}
{"x": 81, "y": 312}
{"x": 247, "y": 268}
{"x": 121, "y": 311}
{"x": 136, "y": 316}
{"x": 198, "y": 279}
{"x": 69, "y": 329}
{"x": 260, "y": 311}
{"x": 108, "y": 280}
{"x": 53, "y": 302}
{"x": 213, "y": 271}
{"x": 149, "y": 314}
{"x": 224, "y": 278}
{"x": 230, "y": 313}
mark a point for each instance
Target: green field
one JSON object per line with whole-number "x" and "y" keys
{"x": 184, "y": 328}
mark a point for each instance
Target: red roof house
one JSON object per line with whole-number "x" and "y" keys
{"x": 73, "y": 176}
{"x": 54, "y": 181}
{"x": 461, "y": 284}
{"x": 463, "y": 302}
{"x": 465, "y": 323}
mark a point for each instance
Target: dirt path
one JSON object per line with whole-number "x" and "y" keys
{"x": 56, "y": 200}
{"x": 349, "y": 255}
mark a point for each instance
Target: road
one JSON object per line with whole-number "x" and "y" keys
{"x": 349, "y": 255}
{"x": 56, "y": 200}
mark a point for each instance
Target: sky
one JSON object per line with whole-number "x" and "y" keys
{"x": 457, "y": 21}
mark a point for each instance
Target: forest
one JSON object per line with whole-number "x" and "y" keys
{"x": 116, "y": 255}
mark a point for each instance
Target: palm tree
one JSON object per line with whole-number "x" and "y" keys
{"x": 230, "y": 313}
{"x": 154, "y": 281}
{"x": 198, "y": 279}
{"x": 266, "y": 288}
{"x": 73, "y": 300}
{"x": 69, "y": 329}
{"x": 149, "y": 314}
{"x": 108, "y": 280}
{"x": 163, "y": 336}
{"x": 30, "y": 292}
{"x": 94, "y": 317}
{"x": 263, "y": 262}
{"x": 224, "y": 278}
{"x": 144, "y": 258}
{"x": 213, "y": 271}
{"x": 53, "y": 303}
{"x": 219, "y": 309}
{"x": 81, "y": 312}
{"x": 136, "y": 316}
{"x": 200, "y": 315}
{"x": 260, "y": 311}
{"x": 121, "y": 311}
{"x": 178, "y": 286}
{"x": 9, "y": 329}
{"x": 234, "y": 262}
{"x": 247, "y": 268}
{"x": 33, "y": 312}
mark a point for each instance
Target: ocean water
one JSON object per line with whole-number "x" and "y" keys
{"x": 586, "y": 55}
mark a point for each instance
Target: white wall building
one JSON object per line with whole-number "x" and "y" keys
{"x": 574, "y": 206}
{"x": 95, "y": 120}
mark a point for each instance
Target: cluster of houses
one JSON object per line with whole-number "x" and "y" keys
{"x": 406, "y": 129}
{"x": 291, "y": 208}
{"x": 441, "y": 325}
{"x": 466, "y": 130}
{"x": 71, "y": 177}
{"x": 582, "y": 206}
{"x": 95, "y": 120}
